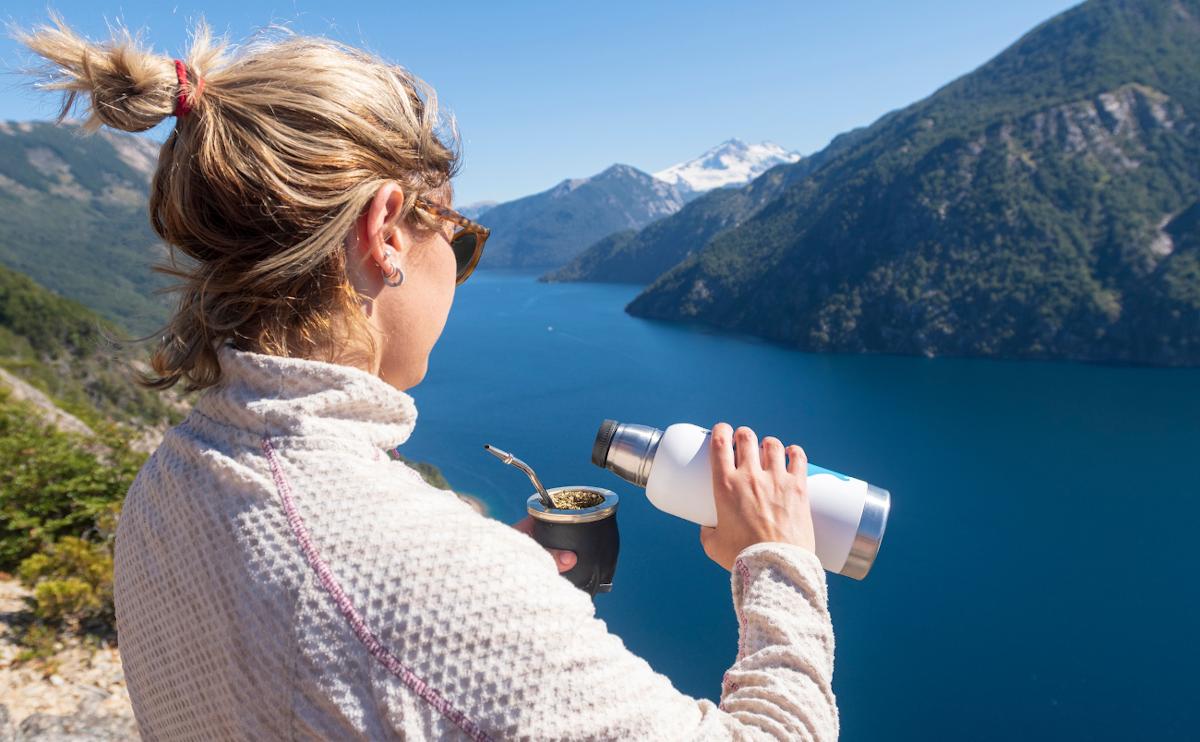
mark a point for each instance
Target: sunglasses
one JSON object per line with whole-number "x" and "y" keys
{"x": 468, "y": 239}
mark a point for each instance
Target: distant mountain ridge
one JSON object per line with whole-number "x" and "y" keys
{"x": 1038, "y": 207}
{"x": 475, "y": 209}
{"x": 550, "y": 228}
{"x": 641, "y": 256}
{"x": 730, "y": 163}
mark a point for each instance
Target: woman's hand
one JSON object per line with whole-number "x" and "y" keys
{"x": 564, "y": 559}
{"x": 759, "y": 496}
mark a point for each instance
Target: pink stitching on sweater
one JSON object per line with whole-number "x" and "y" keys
{"x": 353, "y": 617}
{"x": 730, "y": 686}
{"x": 744, "y": 572}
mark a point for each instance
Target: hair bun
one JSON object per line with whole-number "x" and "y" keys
{"x": 127, "y": 86}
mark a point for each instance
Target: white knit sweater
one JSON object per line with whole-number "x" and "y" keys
{"x": 279, "y": 577}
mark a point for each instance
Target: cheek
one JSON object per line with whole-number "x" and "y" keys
{"x": 447, "y": 298}
{"x": 441, "y": 289}
{"x": 450, "y": 261}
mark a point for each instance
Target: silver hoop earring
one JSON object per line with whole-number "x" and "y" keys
{"x": 395, "y": 278}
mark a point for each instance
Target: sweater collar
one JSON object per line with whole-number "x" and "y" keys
{"x": 278, "y": 396}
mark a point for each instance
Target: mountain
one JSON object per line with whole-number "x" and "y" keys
{"x": 72, "y": 355}
{"x": 730, "y": 163}
{"x": 641, "y": 256}
{"x": 73, "y": 217}
{"x": 547, "y": 229}
{"x": 551, "y": 228}
{"x": 1042, "y": 206}
{"x": 475, "y": 209}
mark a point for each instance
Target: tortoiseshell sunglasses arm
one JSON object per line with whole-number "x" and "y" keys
{"x": 451, "y": 215}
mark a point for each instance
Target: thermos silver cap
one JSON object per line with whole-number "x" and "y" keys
{"x": 870, "y": 533}
{"x": 626, "y": 449}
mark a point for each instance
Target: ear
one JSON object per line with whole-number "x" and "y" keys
{"x": 380, "y": 237}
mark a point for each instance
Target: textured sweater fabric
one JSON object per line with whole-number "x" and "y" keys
{"x": 279, "y": 577}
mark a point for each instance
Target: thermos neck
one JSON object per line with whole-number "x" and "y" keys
{"x": 626, "y": 449}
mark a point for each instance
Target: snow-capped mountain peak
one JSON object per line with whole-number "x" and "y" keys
{"x": 732, "y": 162}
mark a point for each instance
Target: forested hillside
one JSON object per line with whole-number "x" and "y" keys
{"x": 79, "y": 359}
{"x": 73, "y": 217}
{"x": 1039, "y": 207}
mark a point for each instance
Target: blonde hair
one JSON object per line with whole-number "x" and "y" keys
{"x": 258, "y": 185}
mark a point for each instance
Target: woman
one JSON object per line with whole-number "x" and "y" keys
{"x": 278, "y": 575}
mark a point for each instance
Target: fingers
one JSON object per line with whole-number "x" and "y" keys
{"x": 721, "y": 444}
{"x": 565, "y": 560}
{"x": 772, "y": 455}
{"x": 797, "y": 460}
{"x": 745, "y": 453}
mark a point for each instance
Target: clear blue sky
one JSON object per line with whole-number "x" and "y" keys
{"x": 550, "y": 90}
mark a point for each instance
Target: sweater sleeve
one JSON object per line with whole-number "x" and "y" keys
{"x": 785, "y": 644}
{"x": 516, "y": 651}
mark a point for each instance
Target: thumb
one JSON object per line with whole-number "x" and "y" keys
{"x": 565, "y": 560}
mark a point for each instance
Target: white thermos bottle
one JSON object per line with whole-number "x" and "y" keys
{"x": 849, "y": 515}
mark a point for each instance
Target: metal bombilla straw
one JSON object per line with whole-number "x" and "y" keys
{"x": 508, "y": 458}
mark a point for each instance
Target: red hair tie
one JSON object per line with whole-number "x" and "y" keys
{"x": 182, "y": 106}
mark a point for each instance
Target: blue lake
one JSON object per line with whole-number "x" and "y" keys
{"x": 1038, "y": 578}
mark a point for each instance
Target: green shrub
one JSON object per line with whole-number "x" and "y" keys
{"x": 38, "y": 642}
{"x": 55, "y": 484}
{"x": 67, "y": 600}
{"x": 72, "y": 582}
